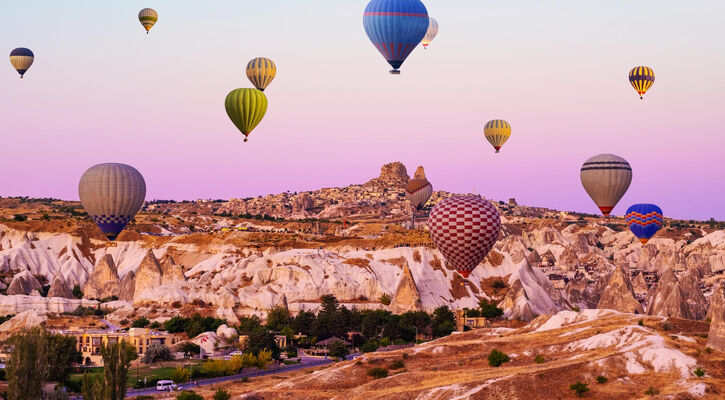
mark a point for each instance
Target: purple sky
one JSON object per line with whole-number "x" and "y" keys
{"x": 102, "y": 91}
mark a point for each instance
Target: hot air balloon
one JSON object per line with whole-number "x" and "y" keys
{"x": 642, "y": 78}
{"x": 497, "y": 133}
{"x": 606, "y": 178}
{"x": 395, "y": 27}
{"x": 112, "y": 194}
{"x": 644, "y": 220}
{"x": 261, "y": 71}
{"x": 246, "y": 108}
{"x": 464, "y": 229}
{"x": 21, "y": 59}
{"x": 148, "y": 17}
{"x": 418, "y": 191}
{"x": 431, "y": 34}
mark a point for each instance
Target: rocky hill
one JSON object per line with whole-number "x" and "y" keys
{"x": 202, "y": 253}
{"x": 636, "y": 357}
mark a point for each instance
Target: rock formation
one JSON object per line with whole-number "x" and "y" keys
{"x": 716, "y": 336}
{"x": 568, "y": 260}
{"x": 391, "y": 175}
{"x": 128, "y": 287}
{"x": 668, "y": 300}
{"x": 639, "y": 284}
{"x": 59, "y": 288}
{"x": 517, "y": 301}
{"x": 302, "y": 202}
{"x": 226, "y": 332}
{"x": 148, "y": 274}
{"x": 618, "y": 293}
{"x": 696, "y": 302}
{"x": 170, "y": 271}
{"x": 104, "y": 281}
{"x": 23, "y": 283}
{"x": 23, "y": 320}
{"x": 406, "y": 296}
{"x": 578, "y": 293}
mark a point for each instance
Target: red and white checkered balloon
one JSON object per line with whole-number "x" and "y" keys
{"x": 464, "y": 229}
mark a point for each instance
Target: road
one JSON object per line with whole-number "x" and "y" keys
{"x": 305, "y": 362}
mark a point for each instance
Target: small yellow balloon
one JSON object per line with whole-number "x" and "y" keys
{"x": 497, "y": 133}
{"x": 261, "y": 71}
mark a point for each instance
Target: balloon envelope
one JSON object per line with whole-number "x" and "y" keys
{"x": 261, "y": 71}
{"x": 246, "y": 108}
{"x": 644, "y": 221}
{"x": 148, "y": 17}
{"x": 21, "y": 59}
{"x": 464, "y": 229}
{"x": 431, "y": 33}
{"x": 606, "y": 178}
{"x": 418, "y": 192}
{"x": 112, "y": 194}
{"x": 497, "y": 132}
{"x": 641, "y": 78}
{"x": 395, "y": 27}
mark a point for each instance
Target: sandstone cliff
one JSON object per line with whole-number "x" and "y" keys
{"x": 618, "y": 293}
{"x": 716, "y": 336}
{"x": 104, "y": 281}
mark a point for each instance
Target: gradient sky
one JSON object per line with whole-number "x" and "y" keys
{"x": 101, "y": 90}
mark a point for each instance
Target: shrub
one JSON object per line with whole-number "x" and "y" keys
{"x": 180, "y": 375}
{"x": 708, "y": 350}
{"x": 539, "y": 359}
{"x": 666, "y": 326}
{"x": 378, "y": 372}
{"x": 397, "y": 364}
{"x": 576, "y": 308}
{"x": 77, "y": 292}
{"x": 489, "y": 310}
{"x": 369, "y": 347}
{"x": 155, "y": 325}
{"x": 602, "y": 379}
{"x": 579, "y": 388}
{"x": 156, "y": 352}
{"x": 498, "y": 284}
{"x": 140, "y": 322}
{"x": 188, "y": 395}
{"x": 699, "y": 372}
{"x": 704, "y": 336}
{"x": 222, "y": 394}
{"x": 640, "y": 322}
{"x": 652, "y": 391}
{"x": 338, "y": 349}
{"x": 385, "y": 299}
{"x": 496, "y": 358}
{"x": 20, "y": 217}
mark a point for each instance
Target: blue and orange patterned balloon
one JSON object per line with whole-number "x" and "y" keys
{"x": 644, "y": 220}
{"x": 395, "y": 27}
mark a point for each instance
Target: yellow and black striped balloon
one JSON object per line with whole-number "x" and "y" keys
{"x": 642, "y": 78}
{"x": 497, "y": 132}
{"x": 261, "y": 71}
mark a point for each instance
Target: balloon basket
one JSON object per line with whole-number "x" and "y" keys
{"x": 394, "y": 72}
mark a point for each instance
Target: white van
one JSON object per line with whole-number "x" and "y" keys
{"x": 165, "y": 385}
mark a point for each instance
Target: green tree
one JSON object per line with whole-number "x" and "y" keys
{"x": 77, "y": 292}
{"x": 189, "y": 348}
{"x": 263, "y": 339}
{"x": 385, "y": 299}
{"x": 248, "y": 325}
{"x": 92, "y": 387}
{"x": 303, "y": 322}
{"x": 188, "y": 395}
{"x": 140, "y": 322}
{"x": 27, "y": 367}
{"x": 579, "y": 388}
{"x": 338, "y": 349}
{"x": 62, "y": 353}
{"x": 277, "y": 318}
{"x": 222, "y": 394}
{"x": 175, "y": 324}
{"x": 180, "y": 375}
{"x": 116, "y": 361}
{"x": 489, "y": 310}
{"x": 444, "y": 321}
{"x": 155, "y": 353}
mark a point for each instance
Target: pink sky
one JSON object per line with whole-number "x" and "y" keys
{"x": 102, "y": 91}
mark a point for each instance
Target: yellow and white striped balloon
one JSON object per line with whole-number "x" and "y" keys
{"x": 261, "y": 71}
{"x": 148, "y": 17}
{"x": 431, "y": 34}
{"x": 497, "y": 132}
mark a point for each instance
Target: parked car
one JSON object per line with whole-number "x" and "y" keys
{"x": 236, "y": 353}
{"x": 165, "y": 385}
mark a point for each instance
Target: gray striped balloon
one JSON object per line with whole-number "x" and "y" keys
{"x": 112, "y": 194}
